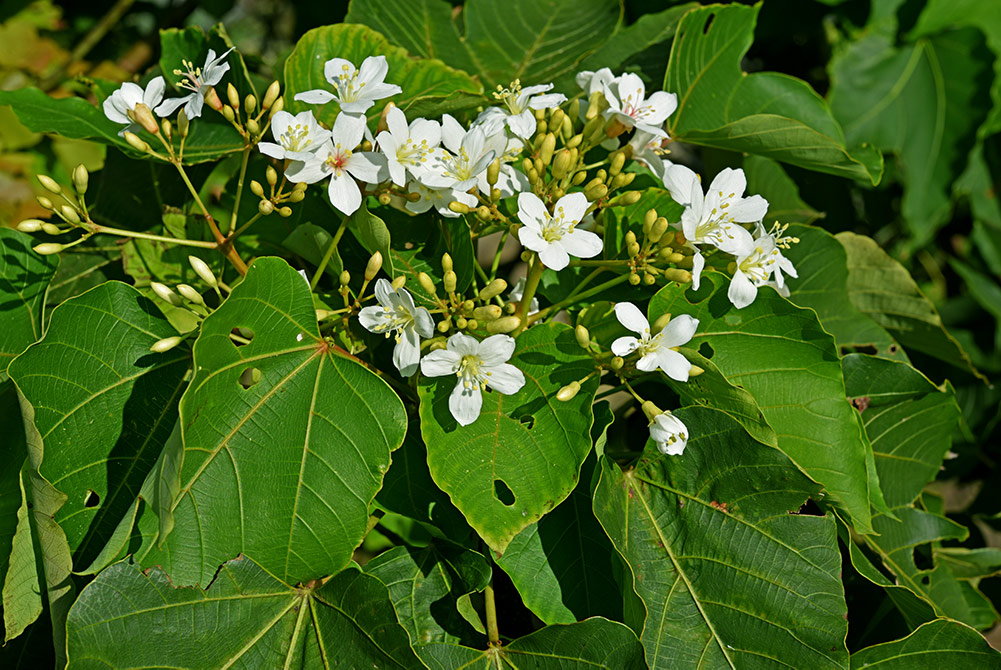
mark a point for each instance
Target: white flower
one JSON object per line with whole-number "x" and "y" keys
{"x": 439, "y": 198}
{"x": 477, "y": 365}
{"x": 466, "y": 154}
{"x": 670, "y": 434}
{"x": 198, "y": 81}
{"x": 648, "y": 149}
{"x": 509, "y": 180}
{"x": 628, "y": 103}
{"x": 712, "y": 218}
{"x": 517, "y": 291}
{"x": 520, "y": 103}
{"x": 355, "y": 89}
{"x": 336, "y": 158}
{"x": 756, "y": 267}
{"x": 592, "y": 82}
{"x": 120, "y": 104}
{"x": 408, "y": 148}
{"x": 298, "y": 136}
{"x": 656, "y": 351}
{"x": 398, "y": 314}
{"x": 556, "y": 238}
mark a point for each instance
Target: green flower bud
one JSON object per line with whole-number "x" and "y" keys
{"x": 493, "y": 289}
{"x": 596, "y": 192}
{"x": 250, "y": 103}
{"x": 164, "y": 293}
{"x": 651, "y": 410}
{"x": 616, "y": 363}
{"x": 136, "y": 143}
{"x": 678, "y": 275}
{"x": 583, "y": 337}
{"x": 30, "y": 225}
{"x": 271, "y": 175}
{"x": 49, "y": 184}
{"x": 48, "y": 248}
{"x": 446, "y": 263}
{"x": 278, "y": 106}
{"x": 232, "y": 95}
{"x": 458, "y": 207}
{"x": 449, "y": 281}
{"x": 487, "y": 312}
{"x": 190, "y": 294}
{"x": 425, "y": 281}
{"x": 202, "y": 269}
{"x": 344, "y": 278}
{"x": 253, "y": 127}
{"x": 461, "y": 323}
{"x": 505, "y": 324}
{"x": 51, "y": 229}
{"x": 659, "y": 324}
{"x": 398, "y": 282}
{"x": 556, "y": 118}
{"x": 80, "y": 179}
{"x": 284, "y": 212}
{"x": 265, "y": 207}
{"x": 472, "y": 324}
{"x": 634, "y": 279}
{"x": 69, "y": 213}
{"x": 271, "y": 95}
{"x": 256, "y": 188}
{"x": 618, "y": 159}
{"x": 547, "y": 148}
{"x": 297, "y": 196}
{"x": 657, "y": 230}
{"x": 649, "y": 218}
{"x": 695, "y": 371}
{"x": 373, "y": 267}
{"x": 228, "y": 114}
{"x": 562, "y": 164}
{"x": 182, "y": 124}
{"x": 443, "y": 326}
{"x": 166, "y": 344}
{"x": 493, "y": 172}
{"x": 568, "y": 392}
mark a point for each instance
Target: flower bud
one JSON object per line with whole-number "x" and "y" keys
{"x": 472, "y": 324}
{"x": 398, "y": 282}
{"x": 649, "y": 218}
{"x": 437, "y": 344}
{"x": 265, "y": 207}
{"x": 575, "y": 141}
{"x": 676, "y": 257}
{"x": 373, "y": 267}
{"x": 527, "y": 165}
{"x": 49, "y": 184}
{"x": 630, "y": 237}
{"x": 190, "y": 294}
{"x": 164, "y": 293}
{"x": 562, "y": 164}
{"x": 297, "y": 196}
{"x": 556, "y": 118}
{"x": 493, "y": 289}
{"x": 623, "y": 179}
{"x": 461, "y": 322}
{"x": 505, "y": 324}
{"x": 547, "y": 148}
{"x": 648, "y": 279}
{"x": 271, "y": 175}
{"x": 384, "y": 118}
{"x": 136, "y": 143}
{"x": 657, "y": 230}
{"x": 271, "y": 95}
{"x": 568, "y": 392}
{"x": 533, "y": 176}
{"x": 48, "y": 248}
{"x": 253, "y": 127}
{"x": 228, "y": 114}
{"x": 583, "y": 337}
{"x": 51, "y": 229}
{"x": 168, "y": 129}
{"x": 144, "y": 117}
{"x": 446, "y": 263}
{"x": 578, "y": 178}
{"x": 182, "y": 123}
{"x": 634, "y": 279}
{"x": 615, "y": 165}
{"x": 344, "y": 278}
{"x": 616, "y": 363}
{"x": 232, "y": 95}
{"x": 30, "y": 226}
{"x": 449, "y": 281}
{"x": 256, "y": 188}
{"x": 651, "y": 410}
{"x": 45, "y": 202}
{"x": 458, "y": 207}
{"x": 212, "y": 100}
{"x": 166, "y": 344}
{"x": 678, "y": 275}
{"x": 443, "y": 326}
{"x": 487, "y": 312}
{"x": 385, "y": 198}
{"x": 278, "y": 106}
{"x": 633, "y": 249}
{"x": 467, "y": 305}
{"x": 69, "y": 214}
{"x": 493, "y": 172}
{"x": 250, "y": 103}
{"x": 595, "y": 192}
{"x": 573, "y": 110}
{"x": 425, "y": 281}
{"x": 659, "y": 324}
{"x": 284, "y": 212}
{"x": 202, "y": 269}
{"x": 626, "y": 199}
{"x": 595, "y": 102}
{"x": 80, "y": 179}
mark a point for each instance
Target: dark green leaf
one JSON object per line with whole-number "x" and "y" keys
{"x": 767, "y": 178}
{"x": 937, "y": 644}
{"x": 24, "y": 279}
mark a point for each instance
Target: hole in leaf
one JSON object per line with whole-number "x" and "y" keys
{"x": 241, "y": 337}
{"x": 892, "y": 349}
{"x": 528, "y": 421}
{"x": 706, "y": 350}
{"x": 503, "y": 492}
{"x": 809, "y": 508}
{"x": 923, "y": 559}
{"x": 91, "y": 499}
{"x": 695, "y": 297}
{"x": 709, "y": 22}
{"x": 249, "y": 377}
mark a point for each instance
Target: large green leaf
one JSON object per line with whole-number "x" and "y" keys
{"x": 24, "y": 279}
{"x": 936, "y": 644}
{"x": 764, "y": 113}
{"x": 822, "y": 285}
{"x": 882, "y": 289}
{"x": 247, "y": 618}
{"x": 71, "y": 117}
{"x": 563, "y": 565}
{"x": 729, "y": 574}
{"x": 767, "y": 178}
{"x": 536, "y": 42}
{"x": 780, "y": 355}
{"x": 295, "y": 452}
{"x": 923, "y": 102}
{"x": 909, "y": 421}
{"x": 594, "y": 643}
{"x": 526, "y": 448}
{"x": 103, "y": 412}
{"x": 425, "y": 83}
{"x": 22, "y": 592}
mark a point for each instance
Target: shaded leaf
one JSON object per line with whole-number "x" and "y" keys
{"x": 24, "y": 280}
{"x": 767, "y": 178}
{"x": 937, "y": 644}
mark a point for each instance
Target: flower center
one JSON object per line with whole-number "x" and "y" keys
{"x": 555, "y": 227}
{"x": 412, "y": 153}
{"x": 338, "y": 158}
{"x": 191, "y": 76}
{"x": 511, "y": 97}
{"x": 470, "y": 373}
{"x": 295, "y": 138}
{"x": 347, "y": 84}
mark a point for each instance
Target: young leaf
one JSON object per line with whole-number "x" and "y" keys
{"x": 283, "y": 439}
{"x": 245, "y": 618}
{"x": 24, "y": 280}
{"x": 780, "y": 355}
{"x": 521, "y": 457}
{"x": 936, "y": 644}
{"x": 730, "y": 575}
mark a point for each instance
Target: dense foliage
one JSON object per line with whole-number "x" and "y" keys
{"x": 529, "y": 334}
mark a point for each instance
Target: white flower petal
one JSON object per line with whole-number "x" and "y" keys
{"x": 582, "y": 244}
{"x": 407, "y": 353}
{"x": 505, "y": 378}
{"x": 315, "y": 97}
{"x": 623, "y": 346}
{"x": 630, "y": 316}
{"x": 531, "y": 210}
{"x": 698, "y": 262}
{"x": 440, "y": 363}
{"x": 679, "y": 180}
{"x": 742, "y": 291}
{"x": 372, "y": 319}
{"x": 344, "y": 193}
{"x": 554, "y": 257}
{"x": 465, "y": 403}
{"x": 674, "y": 364}
{"x": 679, "y": 331}
{"x": 464, "y": 345}
{"x": 496, "y": 349}
{"x": 749, "y": 210}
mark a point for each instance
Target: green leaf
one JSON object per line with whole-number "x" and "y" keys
{"x": 882, "y": 289}
{"x": 298, "y": 449}
{"x": 537, "y": 43}
{"x": 594, "y": 643}
{"x": 24, "y": 279}
{"x": 729, "y": 574}
{"x": 909, "y": 421}
{"x": 923, "y": 102}
{"x": 764, "y": 113}
{"x": 73, "y": 118}
{"x": 312, "y": 242}
{"x": 418, "y": 246}
{"x": 936, "y": 644}
{"x": 563, "y": 565}
{"x": 22, "y": 600}
{"x": 372, "y": 233}
{"x": 767, "y": 178}
{"x": 425, "y": 83}
{"x": 247, "y": 618}
{"x": 822, "y": 286}
{"x": 77, "y": 273}
{"x": 780, "y": 355}
{"x": 103, "y": 412}
{"x": 424, "y": 585}
{"x": 521, "y": 457}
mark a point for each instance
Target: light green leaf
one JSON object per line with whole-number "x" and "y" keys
{"x": 909, "y": 421}
{"x": 425, "y": 83}
{"x": 537, "y": 43}
{"x": 594, "y": 643}
{"x": 71, "y": 117}
{"x": 247, "y": 618}
{"x": 22, "y": 599}
{"x": 936, "y": 644}
{"x": 24, "y": 280}
{"x": 521, "y": 457}
{"x": 765, "y": 113}
{"x": 424, "y": 585}
{"x": 563, "y": 565}
{"x": 923, "y": 102}
{"x": 822, "y": 265}
{"x": 281, "y": 437}
{"x": 372, "y": 233}
{"x": 730, "y": 575}
{"x": 103, "y": 413}
{"x": 882, "y": 289}
{"x": 767, "y": 178}
{"x": 970, "y": 563}
{"x": 780, "y": 355}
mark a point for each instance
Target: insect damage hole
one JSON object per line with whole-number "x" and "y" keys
{"x": 503, "y": 492}
{"x": 91, "y": 499}
{"x": 241, "y": 337}
{"x": 249, "y": 377}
